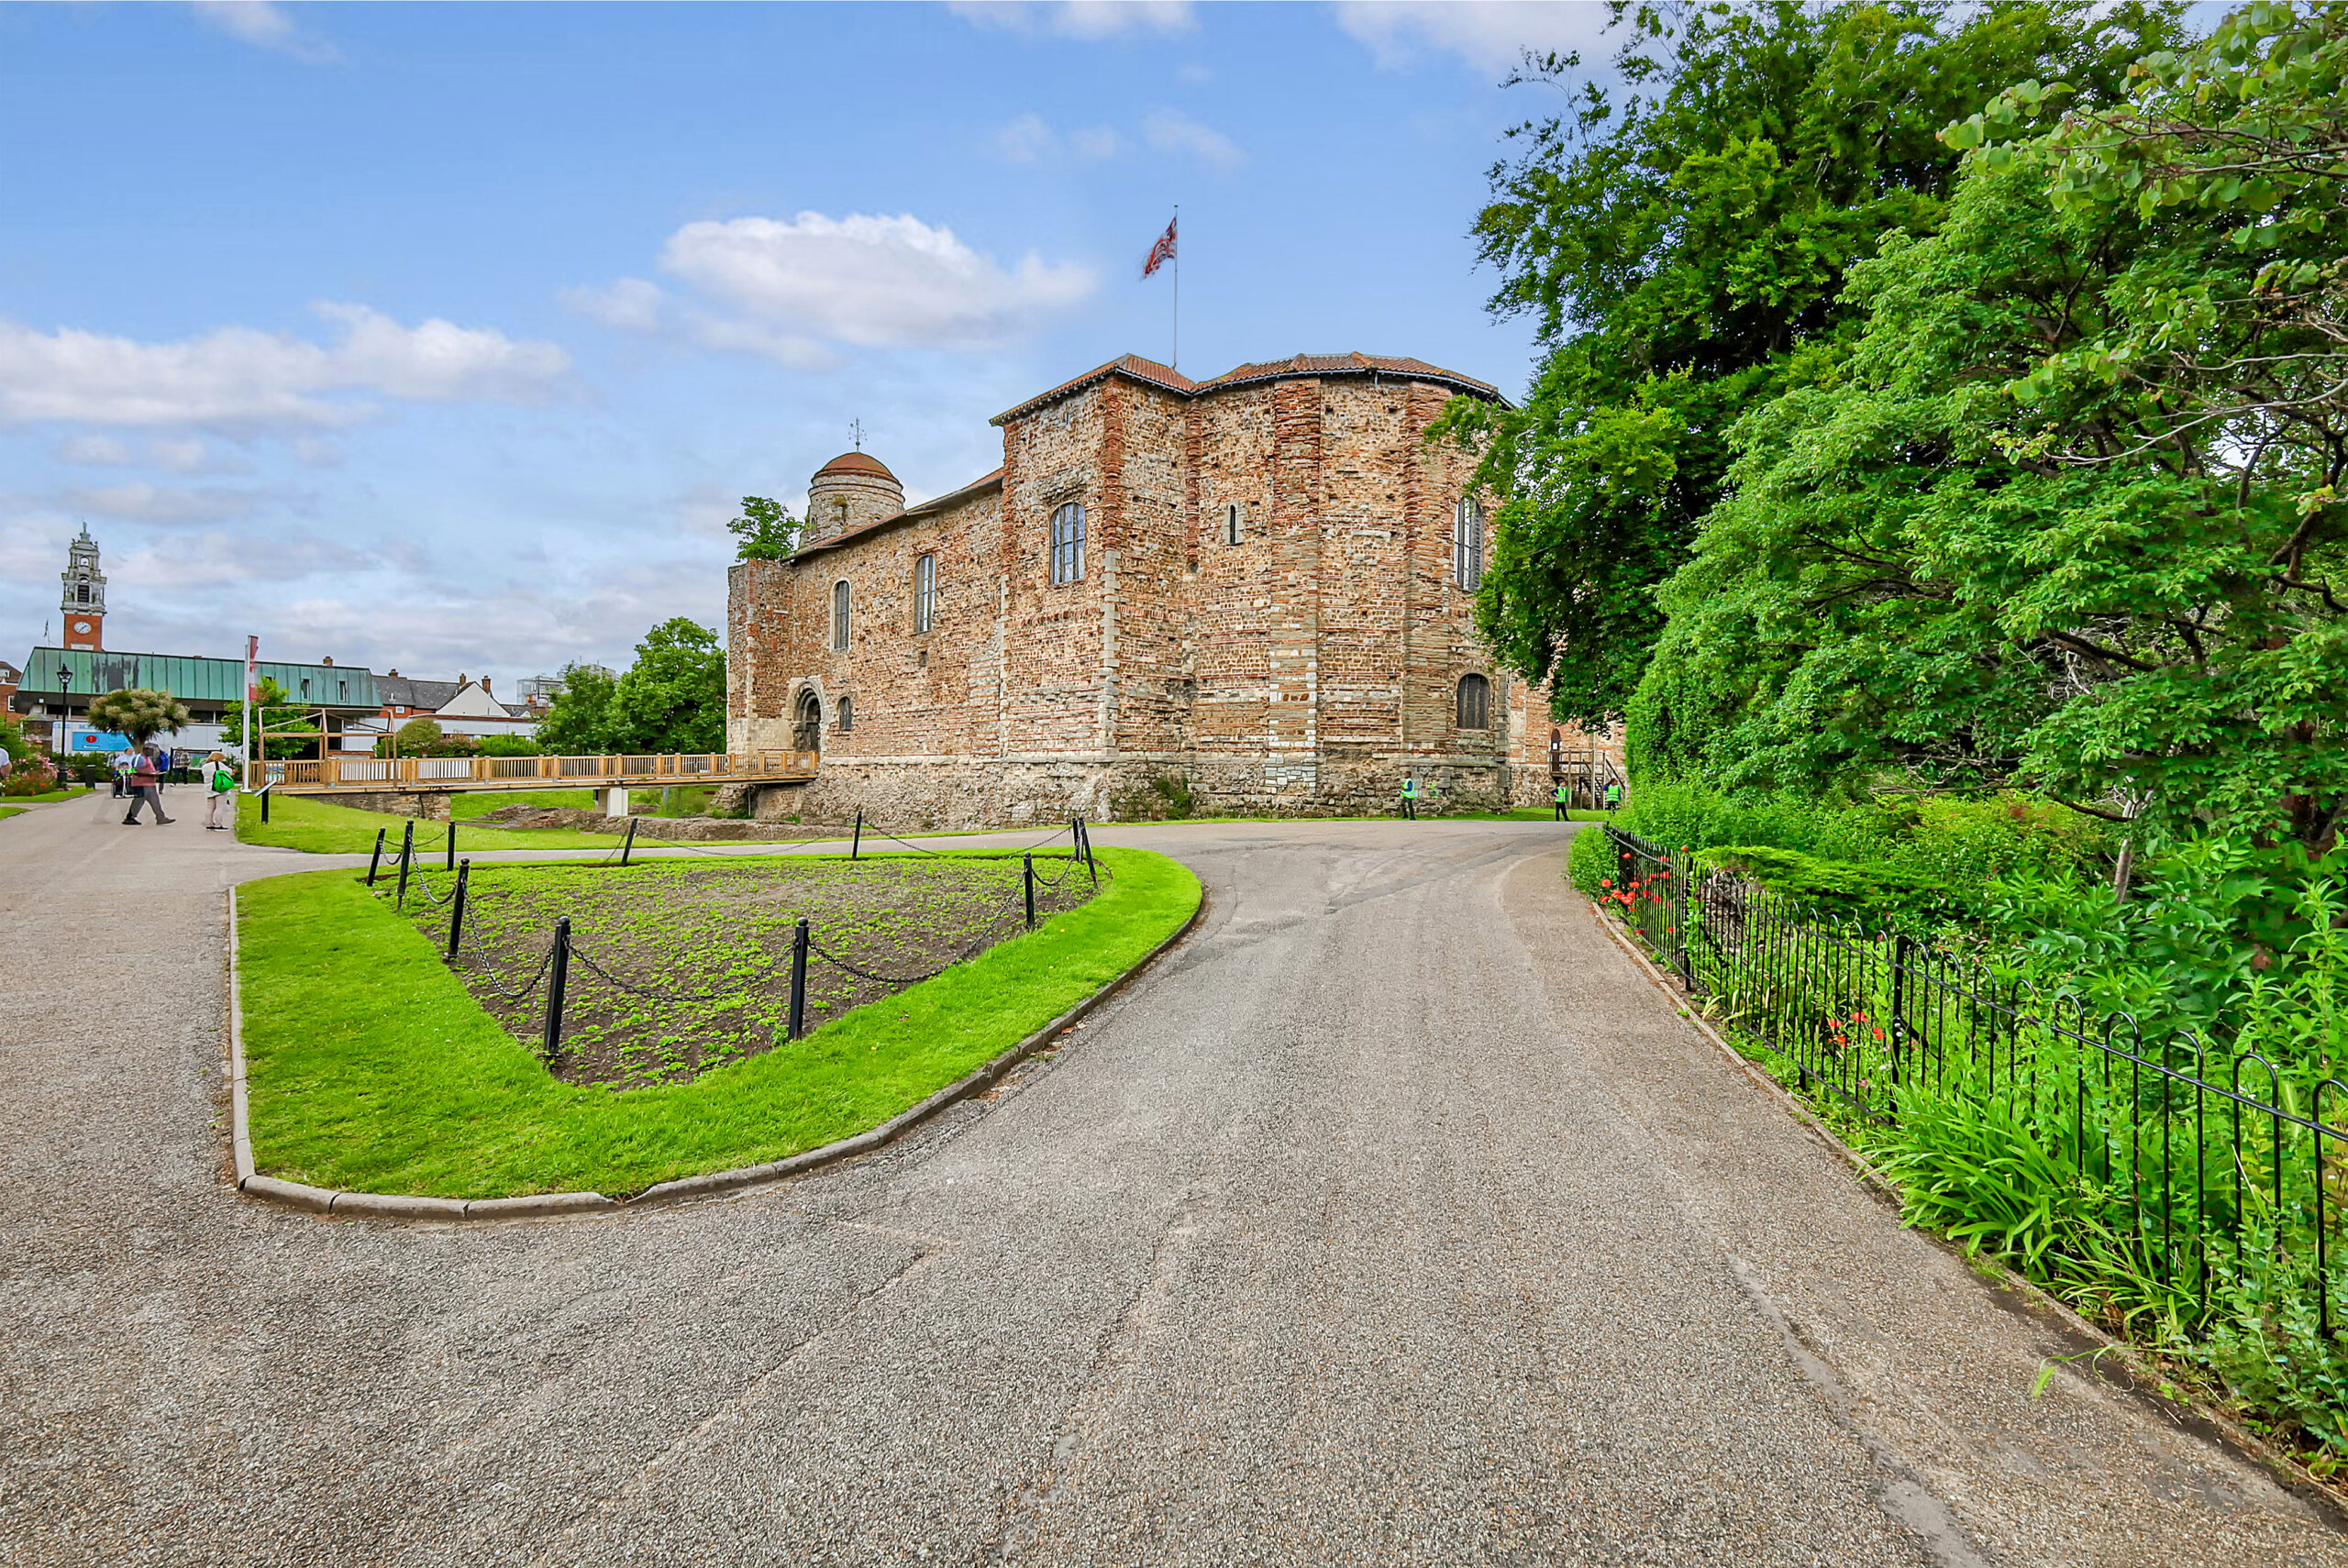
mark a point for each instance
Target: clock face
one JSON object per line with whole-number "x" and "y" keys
{"x": 80, "y": 625}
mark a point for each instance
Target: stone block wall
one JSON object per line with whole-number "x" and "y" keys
{"x": 1309, "y": 666}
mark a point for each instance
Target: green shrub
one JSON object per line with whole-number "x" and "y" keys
{"x": 1592, "y": 858}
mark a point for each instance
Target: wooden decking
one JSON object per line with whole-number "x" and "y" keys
{"x": 435, "y": 775}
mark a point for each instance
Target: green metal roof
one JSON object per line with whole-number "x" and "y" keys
{"x": 190, "y": 680}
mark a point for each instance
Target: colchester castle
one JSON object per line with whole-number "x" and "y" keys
{"x": 1255, "y": 592}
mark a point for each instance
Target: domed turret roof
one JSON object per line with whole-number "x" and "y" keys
{"x": 856, "y": 463}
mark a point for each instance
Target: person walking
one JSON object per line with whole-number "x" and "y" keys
{"x": 1615, "y": 796}
{"x": 1411, "y": 798}
{"x": 220, "y": 793}
{"x": 1563, "y": 797}
{"x": 146, "y": 788}
{"x": 121, "y": 767}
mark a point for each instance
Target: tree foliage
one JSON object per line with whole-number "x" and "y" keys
{"x": 764, "y": 532}
{"x": 672, "y": 698}
{"x": 138, "y": 712}
{"x": 1683, "y": 246}
{"x": 292, "y": 733}
{"x": 2065, "y": 514}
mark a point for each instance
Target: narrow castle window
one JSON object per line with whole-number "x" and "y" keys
{"x": 846, "y": 720}
{"x": 839, "y": 615}
{"x": 1231, "y": 523}
{"x": 1067, "y": 544}
{"x": 925, "y": 593}
{"x": 1475, "y": 702}
{"x": 1467, "y": 545}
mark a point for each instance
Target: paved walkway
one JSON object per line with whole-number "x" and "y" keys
{"x": 1396, "y": 1220}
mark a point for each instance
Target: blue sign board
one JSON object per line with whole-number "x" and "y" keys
{"x": 96, "y": 740}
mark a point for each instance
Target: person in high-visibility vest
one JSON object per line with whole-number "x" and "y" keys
{"x": 1613, "y": 796}
{"x": 1411, "y": 798}
{"x": 1565, "y": 813}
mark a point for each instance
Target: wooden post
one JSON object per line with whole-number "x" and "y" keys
{"x": 555, "y": 980}
{"x": 796, "y": 1023}
{"x": 456, "y": 915}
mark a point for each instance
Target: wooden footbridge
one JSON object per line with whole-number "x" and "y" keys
{"x": 356, "y": 775}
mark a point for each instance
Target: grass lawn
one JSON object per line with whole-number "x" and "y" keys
{"x": 7, "y": 812}
{"x": 297, "y": 822}
{"x": 681, "y": 966}
{"x": 371, "y": 1069}
{"x": 678, "y": 800}
{"x": 72, "y": 794}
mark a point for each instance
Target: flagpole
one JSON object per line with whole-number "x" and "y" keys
{"x": 1178, "y": 288}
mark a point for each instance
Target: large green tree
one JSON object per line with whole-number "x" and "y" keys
{"x": 1682, "y": 243}
{"x": 672, "y": 698}
{"x": 2068, "y": 515}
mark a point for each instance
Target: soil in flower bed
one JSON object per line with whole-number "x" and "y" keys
{"x": 679, "y": 968}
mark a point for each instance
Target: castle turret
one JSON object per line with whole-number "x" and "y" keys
{"x": 84, "y": 602}
{"x": 847, "y": 493}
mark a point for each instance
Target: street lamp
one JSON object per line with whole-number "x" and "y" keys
{"x": 64, "y": 711}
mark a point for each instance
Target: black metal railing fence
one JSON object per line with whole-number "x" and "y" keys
{"x": 2186, "y": 1158}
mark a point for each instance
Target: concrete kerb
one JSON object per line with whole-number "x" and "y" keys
{"x": 392, "y": 1206}
{"x": 2137, "y": 1374}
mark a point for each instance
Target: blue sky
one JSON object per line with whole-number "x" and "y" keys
{"x": 447, "y": 337}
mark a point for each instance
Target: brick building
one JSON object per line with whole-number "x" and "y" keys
{"x": 1258, "y": 587}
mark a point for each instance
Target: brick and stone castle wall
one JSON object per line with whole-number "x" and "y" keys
{"x": 1306, "y": 667}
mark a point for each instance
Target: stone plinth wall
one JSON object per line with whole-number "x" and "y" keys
{"x": 431, "y": 806}
{"x": 927, "y": 794}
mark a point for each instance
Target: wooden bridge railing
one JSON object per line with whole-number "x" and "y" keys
{"x": 317, "y": 776}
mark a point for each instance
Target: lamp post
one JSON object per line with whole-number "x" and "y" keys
{"x": 64, "y": 711}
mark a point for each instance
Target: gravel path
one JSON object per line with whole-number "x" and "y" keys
{"x": 1396, "y": 1218}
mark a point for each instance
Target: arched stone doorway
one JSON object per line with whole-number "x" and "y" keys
{"x": 807, "y": 723}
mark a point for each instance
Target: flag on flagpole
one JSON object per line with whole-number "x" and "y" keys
{"x": 1162, "y": 252}
{"x": 252, "y": 669}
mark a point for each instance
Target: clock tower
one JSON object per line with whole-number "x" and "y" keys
{"x": 85, "y": 604}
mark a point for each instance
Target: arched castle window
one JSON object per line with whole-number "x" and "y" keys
{"x": 1475, "y": 702}
{"x": 1068, "y": 543}
{"x": 846, "y": 720}
{"x": 839, "y": 614}
{"x": 1231, "y": 519}
{"x": 807, "y": 723}
{"x": 925, "y": 593}
{"x": 1468, "y": 544}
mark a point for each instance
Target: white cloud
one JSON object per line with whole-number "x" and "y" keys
{"x": 1079, "y": 18}
{"x": 141, "y": 502}
{"x": 263, "y": 25}
{"x": 178, "y": 455}
{"x": 631, "y": 304}
{"x": 1169, "y": 130}
{"x": 1025, "y": 138}
{"x": 1030, "y": 139}
{"x": 1489, "y": 35}
{"x": 237, "y": 378}
{"x": 789, "y": 290}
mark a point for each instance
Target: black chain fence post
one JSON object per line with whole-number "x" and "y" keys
{"x": 407, "y": 858}
{"x": 855, "y": 846}
{"x": 1084, "y": 830}
{"x": 374, "y": 860}
{"x": 797, "y": 1022}
{"x": 456, "y": 915}
{"x": 1029, "y": 862}
{"x": 265, "y": 803}
{"x": 450, "y": 863}
{"x": 629, "y": 846}
{"x": 555, "y": 981}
